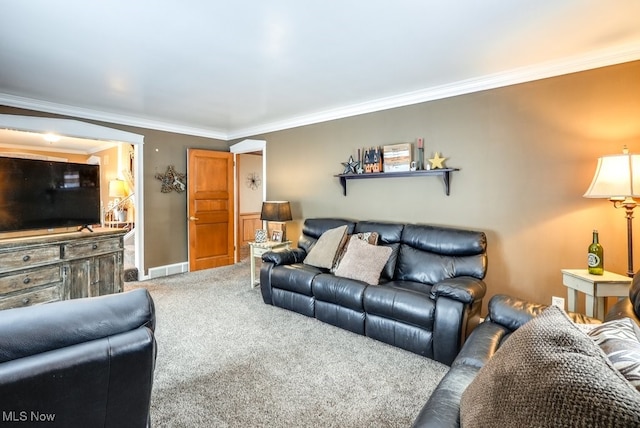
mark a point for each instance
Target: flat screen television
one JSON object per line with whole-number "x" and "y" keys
{"x": 42, "y": 194}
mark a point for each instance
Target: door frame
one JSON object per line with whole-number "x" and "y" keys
{"x": 246, "y": 146}
{"x": 79, "y": 129}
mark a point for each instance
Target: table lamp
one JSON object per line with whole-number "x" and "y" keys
{"x": 117, "y": 191}
{"x": 277, "y": 212}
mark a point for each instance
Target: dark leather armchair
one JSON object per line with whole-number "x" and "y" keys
{"x": 79, "y": 363}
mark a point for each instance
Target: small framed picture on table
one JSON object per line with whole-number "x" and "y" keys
{"x": 276, "y": 236}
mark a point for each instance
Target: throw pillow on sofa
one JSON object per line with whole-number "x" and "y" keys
{"x": 363, "y": 261}
{"x": 620, "y": 341}
{"x": 370, "y": 237}
{"x": 324, "y": 251}
{"x": 549, "y": 374}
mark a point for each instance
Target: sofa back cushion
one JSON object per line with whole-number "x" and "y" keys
{"x": 313, "y": 228}
{"x": 430, "y": 254}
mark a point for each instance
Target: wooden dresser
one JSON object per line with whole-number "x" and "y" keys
{"x": 42, "y": 269}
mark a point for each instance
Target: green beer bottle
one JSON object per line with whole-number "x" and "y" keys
{"x": 595, "y": 260}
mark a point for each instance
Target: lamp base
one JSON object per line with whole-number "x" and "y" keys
{"x": 273, "y": 226}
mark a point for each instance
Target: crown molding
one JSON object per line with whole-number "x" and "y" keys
{"x": 540, "y": 71}
{"x": 592, "y": 60}
{"x": 84, "y": 113}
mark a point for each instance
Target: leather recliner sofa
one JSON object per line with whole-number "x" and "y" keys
{"x": 79, "y": 363}
{"x": 430, "y": 292}
{"x": 506, "y": 315}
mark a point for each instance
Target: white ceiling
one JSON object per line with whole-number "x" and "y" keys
{"x": 231, "y": 69}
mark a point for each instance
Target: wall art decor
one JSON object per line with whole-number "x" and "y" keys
{"x": 350, "y": 166}
{"x": 172, "y": 180}
{"x": 253, "y": 181}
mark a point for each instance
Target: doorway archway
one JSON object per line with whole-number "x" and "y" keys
{"x": 83, "y": 130}
{"x": 247, "y": 146}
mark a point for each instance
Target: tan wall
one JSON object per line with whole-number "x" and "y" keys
{"x": 526, "y": 154}
{"x": 166, "y": 213}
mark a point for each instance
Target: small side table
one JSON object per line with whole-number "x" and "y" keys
{"x": 596, "y": 288}
{"x": 257, "y": 250}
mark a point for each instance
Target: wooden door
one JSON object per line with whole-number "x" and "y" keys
{"x": 210, "y": 208}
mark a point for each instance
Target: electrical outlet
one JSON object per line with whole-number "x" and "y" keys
{"x": 558, "y": 301}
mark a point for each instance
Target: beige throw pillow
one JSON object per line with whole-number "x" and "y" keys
{"x": 370, "y": 237}
{"x": 548, "y": 373}
{"x": 363, "y": 261}
{"x": 324, "y": 251}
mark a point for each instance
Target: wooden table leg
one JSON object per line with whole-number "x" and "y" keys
{"x": 572, "y": 295}
{"x": 253, "y": 269}
{"x": 590, "y": 306}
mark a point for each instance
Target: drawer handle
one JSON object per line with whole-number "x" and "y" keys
{"x": 25, "y": 301}
{"x": 94, "y": 246}
{"x": 26, "y": 258}
{"x": 26, "y": 280}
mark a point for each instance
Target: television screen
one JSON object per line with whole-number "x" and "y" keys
{"x": 38, "y": 194}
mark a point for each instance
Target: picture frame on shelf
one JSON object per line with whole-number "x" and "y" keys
{"x": 276, "y": 236}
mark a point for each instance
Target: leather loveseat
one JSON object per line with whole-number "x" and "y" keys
{"x": 430, "y": 292}
{"x": 506, "y": 315}
{"x": 78, "y": 363}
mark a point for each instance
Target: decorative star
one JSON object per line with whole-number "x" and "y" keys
{"x": 350, "y": 166}
{"x": 172, "y": 180}
{"x": 436, "y": 161}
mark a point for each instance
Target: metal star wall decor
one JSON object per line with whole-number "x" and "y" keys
{"x": 350, "y": 166}
{"x": 172, "y": 180}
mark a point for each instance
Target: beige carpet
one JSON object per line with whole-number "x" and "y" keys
{"x": 225, "y": 359}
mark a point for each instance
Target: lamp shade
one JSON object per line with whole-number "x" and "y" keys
{"x": 276, "y": 211}
{"x": 617, "y": 176}
{"x": 116, "y": 189}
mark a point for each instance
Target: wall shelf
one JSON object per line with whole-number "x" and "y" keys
{"x": 442, "y": 172}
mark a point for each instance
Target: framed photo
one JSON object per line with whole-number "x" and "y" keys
{"x": 276, "y": 236}
{"x": 261, "y": 235}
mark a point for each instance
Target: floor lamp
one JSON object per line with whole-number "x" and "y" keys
{"x": 617, "y": 178}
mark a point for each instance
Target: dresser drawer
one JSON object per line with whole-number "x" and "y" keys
{"x": 25, "y": 257}
{"x": 43, "y": 295}
{"x": 30, "y": 279}
{"x": 90, "y": 248}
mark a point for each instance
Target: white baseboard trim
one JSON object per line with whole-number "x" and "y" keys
{"x": 160, "y": 271}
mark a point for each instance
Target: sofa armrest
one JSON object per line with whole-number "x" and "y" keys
{"x": 284, "y": 256}
{"x": 622, "y": 309}
{"x": 512, "y": 312}
{"x": 442, "y": 410}
{"x": 458, "y": 304}
{"x": 465, "y": 289}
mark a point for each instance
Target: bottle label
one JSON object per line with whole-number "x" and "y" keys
{"x": 593, "y": 260}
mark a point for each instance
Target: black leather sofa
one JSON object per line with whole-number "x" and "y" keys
{"x": 430, "y": 291}
{"x": 506, "y": 315}
{"x": 78, "y": 363}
